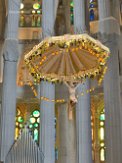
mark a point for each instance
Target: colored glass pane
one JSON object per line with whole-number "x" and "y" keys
{"x": 38, "y": 120}
{"x": 30, "y": 126}
{"x": 101, "y": 133}
{"x": 20, "y": 125}
{"x": 36, "y": 6}
{"x": 35, "y": 134}
{"x": 102, "y": 144}
{"x": 33, "y": 11}
{"x": 21, "y": 6}
{"x": 20, "y": 119}
{"x": 101, "y": 123}
{"x": 18, "y": 112}
{"x": 91, "y": 5}
{"x": 36, "y": 113}
{"x": 102, "y": 117}
{"x": 91, "y": 15}
{"x": 72, "y": 4}
{"x": 38, "y": 12}
{"x": 32, "y": 120}
{"x": 17, "y": 123}
{"x": 36, "y": 124}
{"x": 72, "y": 19}
{"x": 102, "y": 154}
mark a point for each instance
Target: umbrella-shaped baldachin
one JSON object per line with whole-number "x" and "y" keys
{"x": 67, "y": 58}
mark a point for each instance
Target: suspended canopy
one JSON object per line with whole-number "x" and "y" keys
{"x": 67, "y": 58}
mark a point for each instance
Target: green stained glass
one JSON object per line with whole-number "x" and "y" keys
{"x": 20, "y": 119}
{"x": 36, "y": 6}
{"x": 32, "y": 120}
{"x": 102, "y": 117}
{"x": 35, "y": 134}
{"x": 36, "y": 113}
{"x": 72, "y": 18}
{"x": 38, "y": 12}
{"x": 30, "y": 126}
{"x": 20, "y": 125}
{"x": 72, "y": 4}
{"x": 36, "y": 125}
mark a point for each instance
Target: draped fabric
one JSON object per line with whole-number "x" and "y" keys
{"x": 24, "y": 150}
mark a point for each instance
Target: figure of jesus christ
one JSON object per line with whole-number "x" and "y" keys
{"x": 72, "y": 97}
{"x": 72, "y": 91}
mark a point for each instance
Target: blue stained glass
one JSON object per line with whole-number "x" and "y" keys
{"x": 91, "y": 5}
{"x": 91, "y": 15}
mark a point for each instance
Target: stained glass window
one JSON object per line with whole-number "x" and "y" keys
{"x": 93, "y": 10}
{"x": 34, "y": 124}
{"x": 71, "y": 12}
{"x": 19, "y": 123}
{"x": 30, "y": 14}
{"x": 102, "y": 135}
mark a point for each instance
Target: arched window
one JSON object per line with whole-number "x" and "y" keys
{"x": 19, "y": 123}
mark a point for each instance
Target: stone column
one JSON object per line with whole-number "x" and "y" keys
{"x": 13, "y": 19}
{"x": 10, "y": 53}
{"x": 104, "y": 9}
{"x": 8, "y": 111}
{"x": 47, "y": 128}
{"x": 113, "y": 112}
{"x": 109, "y": 33}
{"x": 116, "y": 10}
{"x": 47, "y": 108}
{"x": 48, "y": 17}
{"x": 79, "y": 16}
{"x": 63, "y": 131}
{"x": 1, "y": 62}
{"x": 83, "y": 120}
{"x": 66, "y": 4}
{"x": 66, "y": 129}
{"x": 83, "y": 125}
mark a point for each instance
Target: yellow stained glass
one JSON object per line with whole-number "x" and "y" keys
{"x": 101, "y": 123}
{"x": 102, "y": 144}
{"x": 102, "y": 154}
{"x": 36, "y": 6}
{"x": 32, "y": 120}
{"x": 101, "y": 133}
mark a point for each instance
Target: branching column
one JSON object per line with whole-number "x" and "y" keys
{"x": 109, "y": 34}
{"x": 10, "y": 54}
{"x": 83, "y": 114}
